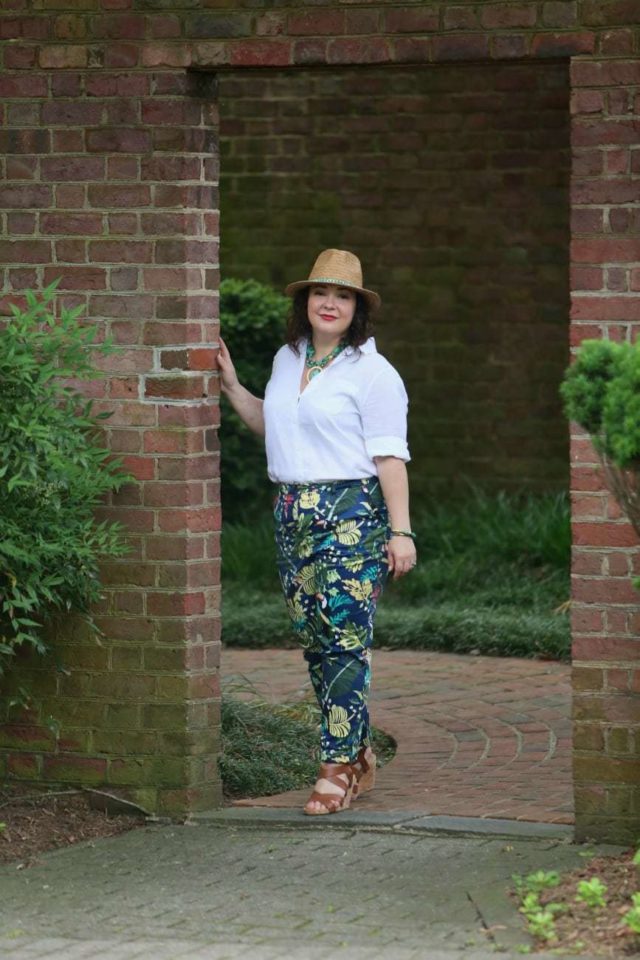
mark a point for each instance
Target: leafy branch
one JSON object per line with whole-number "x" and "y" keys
{"x": 54, "y": 470}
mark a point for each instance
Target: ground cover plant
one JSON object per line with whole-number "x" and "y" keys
{"x": 594, "y": 909}
{"x": 492, "y": 578}
{"x": 270, "y": 748}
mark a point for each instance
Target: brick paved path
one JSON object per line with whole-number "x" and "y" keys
{"x": 477, "y": 736}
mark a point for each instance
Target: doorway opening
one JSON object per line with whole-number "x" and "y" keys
{"x": 452, "y": 185}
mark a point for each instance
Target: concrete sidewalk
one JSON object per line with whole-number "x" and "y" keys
{"x": 229, "y": 890}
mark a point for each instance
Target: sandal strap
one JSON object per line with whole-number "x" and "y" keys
{"x": 332, "y": 773}
{"x": 335, "y": 777}
{"x": 361, "y": 765}
{"x": 327, "y": 770}
{"x": 335, "y": 801}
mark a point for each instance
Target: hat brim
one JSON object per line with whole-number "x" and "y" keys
{"x": 372, "y": 298}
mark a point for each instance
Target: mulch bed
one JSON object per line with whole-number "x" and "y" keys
{"x": 597, "y": 931}
{"x": 34, "y": 822}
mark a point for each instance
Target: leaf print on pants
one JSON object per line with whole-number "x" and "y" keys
{"x": 330, "y": 544}
{"x": 338, "y": 721}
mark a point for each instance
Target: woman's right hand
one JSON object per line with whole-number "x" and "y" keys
{"x": 228, "y": 376}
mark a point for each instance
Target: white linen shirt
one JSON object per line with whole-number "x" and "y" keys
{"x": 351, "y": 412}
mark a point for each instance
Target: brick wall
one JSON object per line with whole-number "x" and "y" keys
{"x": 110, "y": 184}
{"x": 452, "y": 185}
{"x": 606, "y": 615}
{"x": 109, "y": 174}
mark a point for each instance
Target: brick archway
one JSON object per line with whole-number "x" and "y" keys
{"x": 110, "y": 170}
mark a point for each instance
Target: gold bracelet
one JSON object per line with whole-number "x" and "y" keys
{"x": 403, "y": 533}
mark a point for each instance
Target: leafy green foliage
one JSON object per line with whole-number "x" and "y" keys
{"x": 632, "y": 916}
{"x": 535, "y": 882}
{"x": 53, "y": 472}
{"x": 621, "y": 419}
{"x": 252, "y": 321}
{"x": 599, "y": 920}
{"x": 592, "y": 892}
{"x": 540, "y": 919}
{"x": 601, "y": 392}
{"x": 586, "y": 382}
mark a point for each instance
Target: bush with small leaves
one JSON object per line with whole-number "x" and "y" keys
{"x": 601, "y": 392}
{"x": 586, "y": 383}
{"x": 621, "y": 411}
{"x": 54, "y": 470}
{"x": 252, "y": 322}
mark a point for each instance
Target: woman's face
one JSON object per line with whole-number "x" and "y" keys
{"x": 330, "y": 309}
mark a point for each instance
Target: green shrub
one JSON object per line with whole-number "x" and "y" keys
{"x": 462, "y": 541}
{"x": 252, "y": 321}
{"x": 621, "y": 417}
{"x": 255, "y": 620}
{"x": 586, "y": 383}
{"x": 601, "y": 392}
{"x": 53, "y": 472}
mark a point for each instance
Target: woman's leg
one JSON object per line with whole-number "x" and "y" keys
{"x": 346, "y": 679}
{"x": 330, "y": 546}
{"x": 314, "y": 665}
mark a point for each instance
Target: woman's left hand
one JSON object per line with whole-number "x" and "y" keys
{"x": 401, "y": 554}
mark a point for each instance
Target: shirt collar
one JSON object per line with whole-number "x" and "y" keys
{"x": 369, "y": 346}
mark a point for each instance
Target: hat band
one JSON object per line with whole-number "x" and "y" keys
{"x": 338, "y": 282}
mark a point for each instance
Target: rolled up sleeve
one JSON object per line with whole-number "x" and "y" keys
{"x": 384, "y": 416}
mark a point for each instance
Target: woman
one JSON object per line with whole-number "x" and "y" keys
{"x": 334, "y": 422}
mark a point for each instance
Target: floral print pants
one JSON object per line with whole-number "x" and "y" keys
{"x": 330, "y": 541}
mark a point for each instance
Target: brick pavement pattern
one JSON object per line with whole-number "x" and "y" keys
{"x": 195, "y": 892}
{"x": 477, "y": 736}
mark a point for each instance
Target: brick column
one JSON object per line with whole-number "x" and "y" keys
{"x": 111, "y": 183}
{"x": 606, "y": 608}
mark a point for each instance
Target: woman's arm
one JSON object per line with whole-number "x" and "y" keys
{"x": 401, "y": 551}
{"x": 248, "y": 407}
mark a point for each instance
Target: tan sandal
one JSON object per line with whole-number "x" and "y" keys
{"x": 365, "y": 772}
{"x": 333, "y": 802}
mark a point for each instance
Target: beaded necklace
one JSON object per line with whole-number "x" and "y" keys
{"x": 314, "y": 367}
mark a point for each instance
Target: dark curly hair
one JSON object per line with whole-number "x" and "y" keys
{"x": 298, "y": 326}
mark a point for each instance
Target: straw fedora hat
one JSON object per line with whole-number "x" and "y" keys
{"x": 339, "y": 267}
